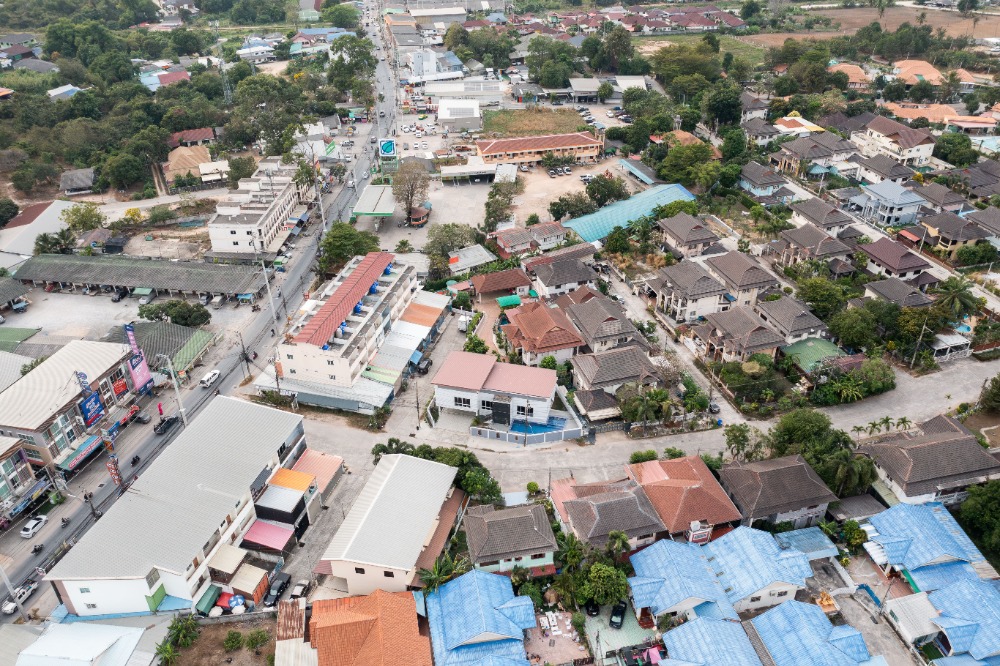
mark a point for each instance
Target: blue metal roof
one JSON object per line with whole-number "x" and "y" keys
{"x": 671, "y": 572}
{"x": 710, "y": 643}
{"x": 598, "y": 225}
{"x": 922, "y": 536}
{"x": 811, "y": 541}
{"x": 476, "y": 619}
{"x": 795, "y": 633}
{"x": 970, "y": 616}
{"x": 748, "y": 560}
{"x": 959, "y": 660}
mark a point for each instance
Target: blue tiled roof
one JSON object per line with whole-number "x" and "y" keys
{"x": 936, "y": 576}
{"x": 671, "y": 572}
{"x": 476, "y": 620}
{"x": 747, "y": 560}
{"x": 970, "y": 616}
{"x": 710, "y": 643}
{"x": 795, "y": 633}
{"x": 811, "y": 541}
{"x": 598, "y": 225}
{"x": 959, "y": 660}
{"x": 920, "y": 535}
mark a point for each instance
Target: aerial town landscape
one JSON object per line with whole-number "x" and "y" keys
{"x": 499, "y": 333}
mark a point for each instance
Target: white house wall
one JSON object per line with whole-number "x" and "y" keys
{"x": 772, "y": 595}
{"x": 373, "y": 578}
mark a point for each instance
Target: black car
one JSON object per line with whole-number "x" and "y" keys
{"x": 165, "y": 424}
{"x": 424, "y": 366}
{"x": 593, "y": 610}
{"x": 713, "y": 408}
{"x": 617, "y": 615}
{"x": 278, "y": 585}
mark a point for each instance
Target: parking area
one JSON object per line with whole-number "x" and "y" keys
{"x": 604, "y": 639}
{"x": 540, "y": 188}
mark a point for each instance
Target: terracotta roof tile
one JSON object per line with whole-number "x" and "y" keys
{"x": 683, "y": 491}
{"x": 507, "y": 280}
{"x": 535, "y": 327}
{"x": 533, "y": 143}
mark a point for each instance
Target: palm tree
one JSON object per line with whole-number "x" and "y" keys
{"x": 645, "y": 408}
{"x": 617, "y": 544}
{"x": 874, "y": 427}
{"x": 65, "y": 241}
{"x": 857, "y": 430}
{"x": 572, "y": 551}
{"x": 519, "y": 576}
{"x": 848, "y": 388}
{"x": 922, "y": 18}
{"x": 956, "y": 295}
{"x": 167, "y": 652}
{"x": 902, "y": 423}
{"x": 46, "y": 244}
{"x": 886, "y": 422}
{"x": 444, "y": 569}
{"x": 393, "y": 446}
{"x": 853, "y": 472}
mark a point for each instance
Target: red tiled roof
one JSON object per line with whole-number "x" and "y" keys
{"x": 28, "y": 215}
{"x": 195, "y": 135}
{"x": 474, "y": 372}
{"x": 337, "y": 308}
{"x": 375, "y": 630}
{"x": 507, "y": 280}
{"x": 173, "y": 77}
{"x": 683, "y": 491}
{"x": 324, "y": 466}
{"x": 535, "y": 327}
{"x": 548, "y": 142}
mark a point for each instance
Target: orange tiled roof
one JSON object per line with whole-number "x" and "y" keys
{"x": 686, "y": 139}
{"x": 287, "y": 478}
{"x": 854, "y": 73}
{"x": 547, "y": 142}
{"x": 683, "y": 491}
{"x": 914, "y": 71}
{"x": 538, "y": 328}
{"x": 376, "y": 630}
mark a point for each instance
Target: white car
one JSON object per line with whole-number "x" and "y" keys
{"x": 423, "y": 145}
{"x": 21, "y": 594}
{"x": 31, "y": 527}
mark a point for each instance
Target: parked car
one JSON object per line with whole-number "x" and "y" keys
{"x": 31, "y": 527}
{"x": 713, "y": 408}
{"x": 143, "y": 417}
{"x": 165, "y": 424}
{"x": 593, "y": 610}
{"x": 209, "y": 379}
{"x": 523, "y": 168}
{"x": 20, "y": 594}
{"x": 617, "y": 615}
{"x": 300, "y": 589}
{"x": 567, "y": 170}
{"x": 424, "y": 366}
{"x": 552, "y": 174}
{"x": 278, "y": 586}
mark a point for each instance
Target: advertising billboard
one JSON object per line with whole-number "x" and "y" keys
{"x": 92, "y": 408}
{"x": 142, "y": 379}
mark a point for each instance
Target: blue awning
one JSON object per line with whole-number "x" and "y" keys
{"x": 416, "y": 356}
{"x": 730, "y": 298}
{"x": 244, "y": 298}
{"x": 296, "y": 230}
{"x": 304, "y": 215}
{"x": 82, "y": 452}
{"x": 170, "y": 603}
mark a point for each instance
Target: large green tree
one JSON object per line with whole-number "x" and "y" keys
{"x": 605, "y": 584}
{"x": 980, "y": 514}
{"x": 341, "y": 242}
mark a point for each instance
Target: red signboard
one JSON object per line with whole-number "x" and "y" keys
{"x": 112, "y": 465}
{"x": 120, "y": 387}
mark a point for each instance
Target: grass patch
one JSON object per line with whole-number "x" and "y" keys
{"x": 531, "y": 122}
{"x": 931, "y": 651}
{"x": 755, "y": 55}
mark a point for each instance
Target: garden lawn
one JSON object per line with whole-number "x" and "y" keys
{"x": 531, "y": 122}
{"x": 754, "y": 54}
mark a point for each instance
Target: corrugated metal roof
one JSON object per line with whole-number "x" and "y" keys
{"x": 247, "y": 578}
{"x": 324, "y": 466}
{"x": 268, "y": 534}
{"x": 227, "y": 559}
{"x": 710, "y": 642}
{"x": 394, "y": 514}
{"x": 37, "y": 396}
{"x": 598, "y": 225}
{"x": 280, "y": 498}
{"x": 289, "y": 478}
{"x": 795, "y": 633}
{"x": 186, "y": 493}
{"x": 748, "y": 560}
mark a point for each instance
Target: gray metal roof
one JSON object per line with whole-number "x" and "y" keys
{"x": 10, "y": 368}
{"x": 133, "y": 272}
{"x": 37, "y": 396}
{"x": 395, "y": 513}
{"x": 11, "y": 289}
{"x": 186, "y": 494}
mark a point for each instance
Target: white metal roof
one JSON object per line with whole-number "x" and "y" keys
{"x": 376, "y": 200}
{"x": 82, "y": 644}
{"x": 227, "y": 558}
{"x": 280, "y": 499}
{"x": 247, "y": 578}
{"x": 186, "y": 494}
{"x": 10, "y": 368}
{"x": 395, "y": 513}
{"x": 36, "y": 397}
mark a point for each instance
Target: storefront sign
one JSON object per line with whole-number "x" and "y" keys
{"x": 120, "y": 387}
{"x": 84, "y": 383}
{"x": 81, "y": 453}
{"x": 112, "y": 465}
{"x": 41, "y": 485}
{"x": 92, "y": 409}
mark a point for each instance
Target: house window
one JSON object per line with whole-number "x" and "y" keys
{"x": 236, "y": 242}
{"x": 329, "y": 362}
{"x": 359, "y": 570}
{"x": 487, "y": 404}
{"x": 525, "y": 411}
{"x": 491, "y": 563}
{"x": 754, "y": 599}
{"x": 783, "y": 593}
{"x": 232, "y": 232}
{"x": 388, "y": 574}
{"x": 539, "y": 556}
{"x": 152, "y": 577}
{"x": 91, "y": 606}
{"x": 463, "y": 402}
{"x": 84, "y": 590}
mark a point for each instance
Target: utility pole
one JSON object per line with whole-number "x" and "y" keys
{"x": 10, "y": 589}
{"x": 416, "y": 388}
{"x": 227, "y": 88}
{"x": 916, "y": 349}
{"x": 177, "y": 388}
{"x": 246, "y": 357}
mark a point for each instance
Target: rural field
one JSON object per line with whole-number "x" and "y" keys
{"x": 533, "y": 122}
{"x": 753, "y": 53}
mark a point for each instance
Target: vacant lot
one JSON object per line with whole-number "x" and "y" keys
{"x": 540, "y": 189}
{"x": 858, "y": 17}
{"x": 530, "y": 122}
{"x": 208, "y": 651}
{"x": 753, "y": 53}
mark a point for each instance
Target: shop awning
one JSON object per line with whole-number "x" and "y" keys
{"x": 244, "y": 298}
{"x": 416, "y": 356}
{"x": 142, "y": 291}
{"x": 208, "y": 599}
{"x": 82, "y": 452}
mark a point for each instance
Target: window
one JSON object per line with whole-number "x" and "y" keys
{"x": 359, "y": 570}
{"x": 84, "y": 590}
{"x": 152, "y": 577}
{"x": 236, "y": 242}
{"x": 91, "y": 606}
{"x": 492, "y": 563}
{"x": 388, "y": 574}
{"x": 754, "y": 599}
{"x": 539, "y": 556}
{"x": 232, "y": 232}
{"x": 463, "y": 402}
{"x": 289, "y": 357}
{"x": 522, "y": 410}
{"x": 783, "y": 593}
{"x": 329, "y": 361}
{"x": 487, "y": 404}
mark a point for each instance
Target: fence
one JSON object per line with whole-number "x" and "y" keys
{"x": 527, "y": 438}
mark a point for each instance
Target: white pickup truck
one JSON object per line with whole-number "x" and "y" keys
{"x": 22, "y": 593}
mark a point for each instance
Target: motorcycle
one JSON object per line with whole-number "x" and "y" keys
{"x": 255, "y": 308}
{"x": 135, "y": 460}
{"x": 65, "y": 522}
{"x": 37, "y": 548}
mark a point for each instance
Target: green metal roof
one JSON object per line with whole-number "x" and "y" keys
{"x": 208, "y": 599}
{"x": 811, "y": 352}
{"x": 509, "y": 301}
{"x": 10, "y": 338}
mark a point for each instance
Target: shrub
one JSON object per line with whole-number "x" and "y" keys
{"x": 532, "y": 487}
{"x": 579, "y": 623}
{"x": 671, "y": 453}
{"x": 533, "y": 592}
{"x": 233, "y": 642}
{"x": 642, "y": 456}
{"x": 256, "y": 638}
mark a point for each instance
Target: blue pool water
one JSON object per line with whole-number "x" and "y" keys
{"x": 554, "y": 424}
{"x": 990, "y": 144}
{"x": 964, "y": 328}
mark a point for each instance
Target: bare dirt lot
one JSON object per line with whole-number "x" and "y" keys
{"x": 858, "y": 17}
{"x": 208, "y": 650}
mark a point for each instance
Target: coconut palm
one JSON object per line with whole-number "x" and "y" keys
{"x": 902, "y": 423}
{"x": 572, "y": 551}
{"x": 645, "y": 408}
{"x": 955, "y": 294}
{"x": 886, "y": 422}
{"x": 393, "y": 446}
{"x": 857, "y": 430}
{"x": 874, "y": 427}
{"x": 444, "y": 569}
{"x": 46, "y": 244}
{"x": 617, "y": 544}
{"x": 853, "y": 473}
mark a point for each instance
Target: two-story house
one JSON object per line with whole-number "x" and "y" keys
{"x": 686, "y": 292}
{"x": 892, "y": 259}
{"x": 742, "y": 275}
{"x": 950, "y": 233}
{"x": 822, "y": 151}
{"x": 501, "y": 539}
{"x": 561, "y": 277}
{"x": 548, "y": 235}
{"x": 592, "y": 511}
{"x": 735, "y": 335}
{"x": 752, "y": 107}
{"x": 764, "y": 185}
{"x": 884, "y": 136}
{"x": 817, "y": 212}
{"x": 878, "y": 168}
{"x": 887, "y": 204}
{"x": 939, "y": 198}
{"x": 685, "y": 235}
{"x": 603, "y": 324}
{"x": 759, "y": 132}
{"x": 778, "y": 490}
{"x": 541, "y": 329}
{"x": 809, "y": 243}
{"x": 791, "y": 319}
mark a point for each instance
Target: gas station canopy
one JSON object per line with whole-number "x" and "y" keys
{"x": 376, "y": 200}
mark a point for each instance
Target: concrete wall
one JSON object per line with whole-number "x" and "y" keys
{"x": 527, "y": 562}
{"x": 772, "y": 595}
{"x": 373, "y": 578}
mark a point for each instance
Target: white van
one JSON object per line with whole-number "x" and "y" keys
{"x": 463, "y": 324}
{"x": 217, "y": 301}
{"x": 210, "y": 379}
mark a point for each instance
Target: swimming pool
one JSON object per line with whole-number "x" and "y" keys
{"x": 554, "y": 424}
{"x": 990, "y": 144}
{"x": 964, "y": 328}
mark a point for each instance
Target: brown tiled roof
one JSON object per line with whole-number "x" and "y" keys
{"x": 375, "y": 630}
{"x": 535, "y": 143}
{"x": 683, "y": 491}
{"x": 686, "y": 230}
{"x": 886, "y": 167}
{"x": 28, "y": 215}
{"x": 906, "y": 137}
{"x": 952, "y": 227}
{"x": 893, "y": 255}
{"x": 819, "y": 244}
{"x": 578, "y": 251}
{"x": 536, "y": 327}
{"x": 509, "y": 238}
{"x": 447, "y": 517}
{"x": 200, "y": 134}
{"x": 617, "y": 366}
{"x": 739, "y": 329}
{"x": 508, "y": 280}
{"x": 599, "y": 509}
{"x": 740, "y": 271}
{"x": 821, "y": 213}
{"x": 766, "y": 487}
{"x": 508, "y": 533}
